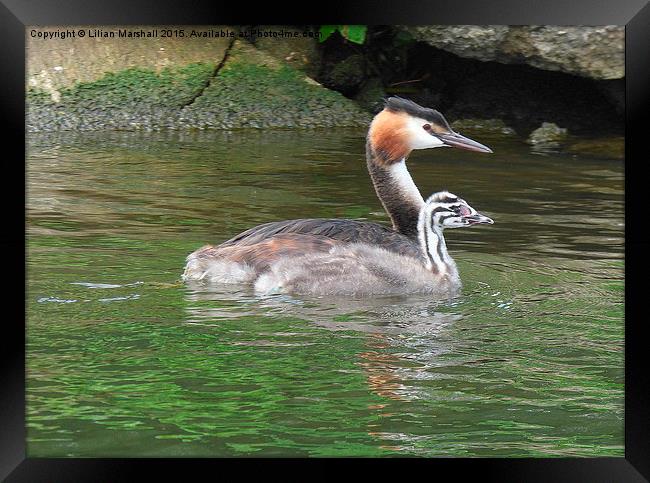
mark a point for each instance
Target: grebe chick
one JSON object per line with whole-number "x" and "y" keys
{"x": 360, "y": 268}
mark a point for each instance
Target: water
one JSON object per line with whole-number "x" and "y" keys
{"x": 125, "y": 360}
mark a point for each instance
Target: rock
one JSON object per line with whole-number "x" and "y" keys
{"x": 253, "y": 89}
{"x": 130, "y": 99}
{"x": 469, "y": 41}
{"x": 371, "y": 95}
{"x": 206, "y": 85}
{"x": 594, "y": 52}
{"x": 548, "y": 135}
{"x": 347, "y": 75}
{"x": 301, "y": 52}
{"x": 56, "y": 64}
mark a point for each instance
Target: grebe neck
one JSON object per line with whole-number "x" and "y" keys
{"x": 396, "y": 191}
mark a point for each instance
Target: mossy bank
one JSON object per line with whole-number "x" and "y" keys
{"x": 213, "y": 82}
{"x": 241, "y": 86}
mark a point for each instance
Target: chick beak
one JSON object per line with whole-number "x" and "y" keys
{"x": 478, "y": 219}
{"x": 456, "y": 140}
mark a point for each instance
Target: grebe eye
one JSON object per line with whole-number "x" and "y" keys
{"x": 427, "y": 127}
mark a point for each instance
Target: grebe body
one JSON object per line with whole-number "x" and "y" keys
{"x": 318, "y": 265}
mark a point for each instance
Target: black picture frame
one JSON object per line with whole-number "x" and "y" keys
{"x": 634, "y": 14}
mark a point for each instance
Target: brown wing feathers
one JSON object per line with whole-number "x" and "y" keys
{"x": 264, "y": 244}
{"x": 262, "y": 254}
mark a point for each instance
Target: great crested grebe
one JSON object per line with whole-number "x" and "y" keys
{"x": 358, "y": 268}
{"x": 399, "y": 128}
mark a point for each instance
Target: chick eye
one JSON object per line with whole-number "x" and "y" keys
{"x": 427, "y": 127}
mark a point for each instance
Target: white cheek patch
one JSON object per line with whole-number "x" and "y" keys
{"x": 418, "y": 137}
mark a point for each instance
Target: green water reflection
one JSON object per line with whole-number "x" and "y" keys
{"x": 124, "y": 360}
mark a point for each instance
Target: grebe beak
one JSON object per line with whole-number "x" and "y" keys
{"x": 456, "y": 140}
{"x": 478, "y": 219}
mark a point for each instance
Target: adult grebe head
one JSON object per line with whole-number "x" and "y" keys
{"x": 403, "y": 126}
